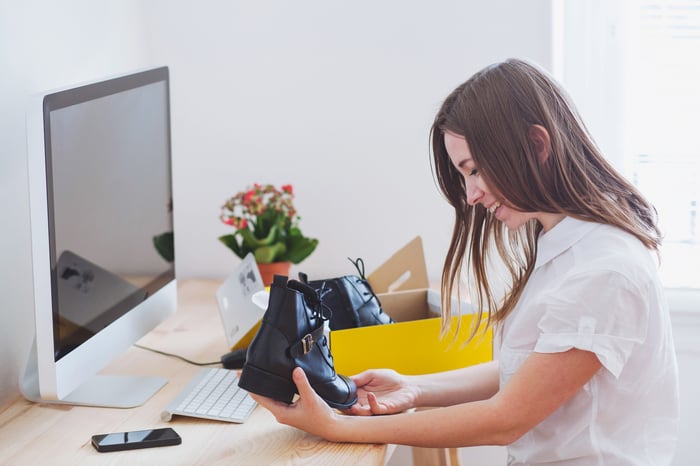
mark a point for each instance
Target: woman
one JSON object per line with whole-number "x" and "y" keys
{"x": 586, "y": 370}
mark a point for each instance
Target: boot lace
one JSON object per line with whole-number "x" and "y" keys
{"x": 318, "y": 307}
{"x": 360, "y": 266}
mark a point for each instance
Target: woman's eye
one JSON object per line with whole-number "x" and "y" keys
{"x": 473, "y": 172}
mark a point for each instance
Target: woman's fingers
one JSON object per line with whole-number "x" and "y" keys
{"x": 374, "y": 405}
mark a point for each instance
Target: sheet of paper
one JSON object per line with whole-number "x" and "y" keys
{"x": 239, "y": 313}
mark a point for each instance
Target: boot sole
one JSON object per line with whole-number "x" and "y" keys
{"x": 341, "y": 406}
{"x": 264, "y": 383}
{"x": 261, "y": 382}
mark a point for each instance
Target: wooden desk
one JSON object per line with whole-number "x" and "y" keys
{"x": 38, "y": 434}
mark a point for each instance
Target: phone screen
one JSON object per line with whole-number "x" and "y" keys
{"x": 136, "y": 439}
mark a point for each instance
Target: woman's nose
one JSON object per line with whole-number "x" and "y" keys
{"x": 474, "y": 193}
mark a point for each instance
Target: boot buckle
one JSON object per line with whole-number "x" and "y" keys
{"x": 307, "y": 342}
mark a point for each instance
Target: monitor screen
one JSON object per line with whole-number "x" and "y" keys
{"x": 108, "y": 163}
{"x": 102, "y": 223}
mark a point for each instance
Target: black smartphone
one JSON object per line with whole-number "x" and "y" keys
{"x": 118, "y": 441}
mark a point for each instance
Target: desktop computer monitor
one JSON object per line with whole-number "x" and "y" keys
{"x": 99, "y": 166}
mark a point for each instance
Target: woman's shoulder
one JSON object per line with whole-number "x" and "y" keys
{"x": 612, "y": 251}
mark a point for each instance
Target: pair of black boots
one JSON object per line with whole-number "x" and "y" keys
{"x": 292, "y": 334}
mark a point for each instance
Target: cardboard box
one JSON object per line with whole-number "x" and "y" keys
{"x": 412, "y": 345}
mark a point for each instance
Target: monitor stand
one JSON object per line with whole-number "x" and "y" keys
{"x": 107, "y": 391}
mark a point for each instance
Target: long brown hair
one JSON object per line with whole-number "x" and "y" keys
{"x": 494, "y": 111}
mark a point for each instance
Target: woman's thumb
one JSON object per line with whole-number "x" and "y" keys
{"x": 302, "y": 383}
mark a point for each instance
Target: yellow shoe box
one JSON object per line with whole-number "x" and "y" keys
{"x": 412, "y": 345}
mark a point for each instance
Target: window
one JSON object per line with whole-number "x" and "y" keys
{"x": 664, "y": 125}
{"x": 633, "y": 68}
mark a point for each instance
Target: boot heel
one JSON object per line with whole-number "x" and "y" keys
{"x": 261, "y": 382}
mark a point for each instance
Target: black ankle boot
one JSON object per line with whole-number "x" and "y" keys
{"x": 291, "y": 335}
{"x": 351, "y": 300}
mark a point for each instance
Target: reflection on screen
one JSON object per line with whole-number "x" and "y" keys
{"x": 109, "y": 207}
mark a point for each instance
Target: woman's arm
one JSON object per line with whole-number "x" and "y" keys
{"x": 384, "y": 391}
{"x": 542, "y": 384}
{"x": 449, "y": 388}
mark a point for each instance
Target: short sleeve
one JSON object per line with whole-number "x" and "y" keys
{"x": 601, "y": 312}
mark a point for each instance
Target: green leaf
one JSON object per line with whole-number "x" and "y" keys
{"x": 254, "y": 243}
{"x": 299, "y": 248}
{"x": 266, "y": 222}
{"x": 165, "y": 245}
{"x": 269, "y": 254}
{"x": 231, "y": 242}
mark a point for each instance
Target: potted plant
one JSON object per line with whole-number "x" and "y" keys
{"x": 266, "y": 224}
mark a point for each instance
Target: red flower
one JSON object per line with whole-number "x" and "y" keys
{"x": 248, "y": 196}
{"x": 245, "y": 210}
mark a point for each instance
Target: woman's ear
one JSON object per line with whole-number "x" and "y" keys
{"x": 539, "y": 136}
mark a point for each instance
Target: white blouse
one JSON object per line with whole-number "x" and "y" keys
{"x": 596, "y": 288}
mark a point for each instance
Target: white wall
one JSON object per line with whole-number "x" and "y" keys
{"x": 334, "y": 97}
{"x": 45, "y": 45}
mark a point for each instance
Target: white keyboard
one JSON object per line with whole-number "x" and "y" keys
{"x": 212, "y": 394}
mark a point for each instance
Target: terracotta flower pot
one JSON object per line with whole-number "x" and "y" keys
{"x": 268, "y": 271}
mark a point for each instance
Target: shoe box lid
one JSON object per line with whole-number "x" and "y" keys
{"x": 404, "y": 270}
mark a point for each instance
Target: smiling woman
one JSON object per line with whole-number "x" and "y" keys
{"x": 583, "y": 321}
{"x": 479, "y": 192}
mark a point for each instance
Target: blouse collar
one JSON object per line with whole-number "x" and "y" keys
{"x": 560, "y": 238}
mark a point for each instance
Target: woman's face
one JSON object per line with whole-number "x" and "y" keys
{"x": 478, "y": 191}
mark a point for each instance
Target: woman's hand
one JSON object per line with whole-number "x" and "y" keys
{"x": 382, "y": 391}
{"x": 308, "y": 413}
